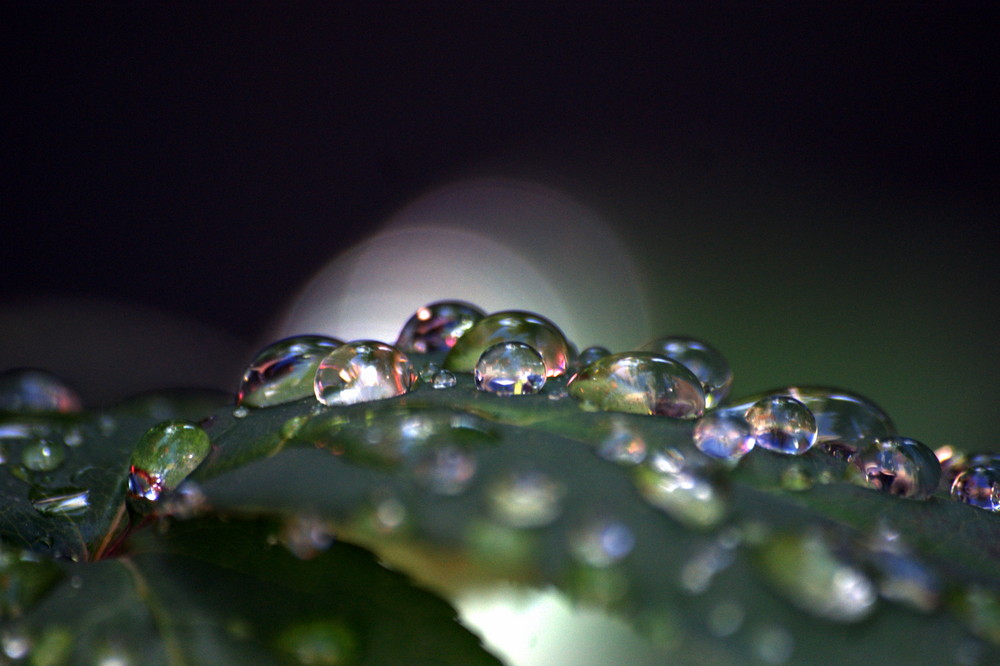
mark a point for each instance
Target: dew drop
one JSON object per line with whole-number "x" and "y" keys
{"x": 589, "y": 355}
{"x": 363, "y": 371}
{"x": 622, "y": 444}
{"x": 898, "y": 466}
{"x": 446, "y": 470}
{"x": 525, "y": 498}
{"x": 165, "y": 455}
{"x": 284, "y": 371}
{"x": 723, "y": 435}
{"x": 61, "y": 502}
{"x": 443, "y": 379}
{"x": 782, "y": 424}
{"x": 437, "y": 326}
{"x": 602, "y": 542}
{"x": 510, "y": 368}
{"x": 43, "y": 455}
{"x": 978, "y": 483}
{"x": 511, "y": 326}
{"x": 706, "y": 362}
{"x": 670, "y": 482}
{"x": 29, "y": 390}
{"x": 241, "y": 412}
{"x": 639, "y": 383}
{"x": 321, "y": 642}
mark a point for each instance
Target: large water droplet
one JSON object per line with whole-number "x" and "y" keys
{"x": 167, "y": 453}
{"x": 43, "y": 455}
{"x": 898, "y": 466}
{"x": 682, "y": 489}
{"x": 363, "y": 371}
{"x": 707, "y": 364}
{"x": 437, "y": 326}
{"x": 511, "y": 326}
{"x": 61, "y": 502}
{"x": 782, "y": 424}
{"x": 526, "y": 498}
{"x": 510, "y": 368}
{"x": 284, "y": 371}
{"x": 28, "y": 390}
{"x": 978, "y": 483}
{"x": 324, "y": 642}
{"x": 639, "y": 383}
{"x": 723, "y": 435}
{"x": 805, "y": 570}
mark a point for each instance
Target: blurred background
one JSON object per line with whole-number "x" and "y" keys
{"x": 813, "y": 191}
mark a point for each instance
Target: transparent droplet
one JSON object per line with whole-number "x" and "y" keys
{"x": 284, "y": 371}
{"x": 437, "y": 326}
{"x": 165, "y": 455}
{"x": 723, "y": 435}
{"x": 43, "y": 455}
{"x": 622, "y": 444}
{"x": 323, "y": 642}
{"x": 978, "y": 483}
{"x": 446, "y": 470}
{"x": 306, "y": 536}
{"x": 602, "y": 542}
{"x": 805, "y": 570}
{"x": 526, "y": 498}
{"x": 510, "y": 368}
{"x": 898, "y": 466}
{"x": 782, "y": 424}
{"x": 589, "y": 355}
{"x": 511, "y": 326}
{"x": 683, "y": 490}
{"x": 61, "y": 502}
{"x": 241, "y": 412}
{"x": 639, "y": 383}
{"x": 29, "y": 390}
{"x": 443, "y": 379}
{"x": 707, "y": 364}
{"x": 363, "y": 371}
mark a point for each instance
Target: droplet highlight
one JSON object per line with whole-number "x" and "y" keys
{"x": 437, "y": 326}
{"x": 639, "y": 383}
{"x": 978, "y": 483}
{"x": 511, "y": 326}
{"x": 510, "y": 368}
{"x": 43, "y": 455}
{"x": 165, "y": 456}
{"x": 898, "y": 466}
{"x": 443, "y": 379}
{"x": 363, "y": 371}
{"x": 782, "y": 424}
{"x": 284, "y": 371}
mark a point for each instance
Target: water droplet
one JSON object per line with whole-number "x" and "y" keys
{"x": 61, "y": 502}
{"x": 782, "y": 424}
{"x": 723, "y": 435}
{"x": 437, "y": 326}
{"x": 978, "y": 483}
{"x": 902, "y": 578}
{"x": 284, "y": 371}
{"x": 511, "y": 326}
{"x": 510, "y": 368}
{"x": 602, "y": 542}
{"x": 15, "y": 643}
{"x": 622, "y": 444}
{"x": 684, "y": 491}
{"x": 639, "y": 383}
{"x": 526, "y": 498}
{"x": 725, "y": 619}
{"x": 805, "y": 570}
{"x": 322, "y": 642}
{"x": 305, "y": 537}
{"x": 363, "y": 371}
{"x": 589, "y": 355}
{"x": 898, "y": 466}
{"x": 43, "y": 455}
{"x": 774, "y": 645}
{"x": 165, "y": 455}
{"x": 73, "y": 437}
{"x": 707, "y": 364}
{"x": 28, "y": 390}
{"x": 240, "y": 412}
{"x": 446, "y": 470}
{"x": 443, "y": 379}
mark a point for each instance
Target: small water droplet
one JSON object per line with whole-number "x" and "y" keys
{"x": 284, "y": 371}
{"x": 29, "y": 390}
{"x": 683, "y": 490}
{"x": 723, "y": 435}
{"x": 639, "y": 383}
{"x": 978, "y": 482}
{"x": 437, "y": 326}
{"x": 240, "y": 412}
{"x": 43, "y": 455}
{"x": 165, "y": 455}
{"x": 589, "y": 355}
{"x": 602, "y": 542}
{"x": 782, "y": 424}
{"x": 706, "y": 362}
{"x": 446, "y": 470}
{"x": 363, "y": 371}
{"x": 443, "y": 379}
{"x": 322, "y": 642}
{"x": 73, "y": 437}
{"x": 805, "y": 570}
{"x": 61, "y": 502}
{"x": 510, "y": 368}
{"x": 511, "y": 326}
{"x": 898, "y": 466}
{"x": 306, "y": 536}
{"x": 526, "y": 498}
{"x": 622, "y": 444}
{"x": 725, "y": 619}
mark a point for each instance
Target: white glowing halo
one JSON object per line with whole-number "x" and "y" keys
{"x": 497, "y": 244}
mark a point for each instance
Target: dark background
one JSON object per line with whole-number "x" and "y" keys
{"x": 814, "y": 189}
